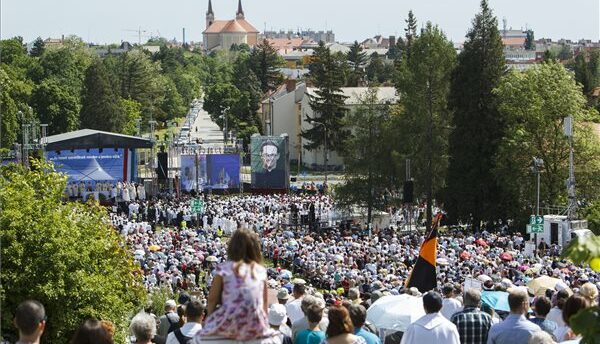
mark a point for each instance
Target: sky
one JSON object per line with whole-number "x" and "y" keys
{"x": 113, "y": 21}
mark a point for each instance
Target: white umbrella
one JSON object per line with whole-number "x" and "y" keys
{"x": 211, "y": 259}
{"x": 395, "y": 312}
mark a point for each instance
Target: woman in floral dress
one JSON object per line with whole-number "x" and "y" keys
{"x": 237, "y": 302}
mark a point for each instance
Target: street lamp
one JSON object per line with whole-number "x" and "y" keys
{"x": 538, "y": 165}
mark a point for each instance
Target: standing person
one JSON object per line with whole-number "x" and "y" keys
{"x": 555, "y": 313}
{"x": 277, "y": 319}
{"x": 302, "y": 324}
{"x": 572, "y": 306}
{"x": 240, "y": 290}
{"x": 450, "y": 304}
{"x": 472, "y": 324}
{"x": 541, "y": 308}
{"x": 94, "y": 331}
{"x": 433, "y": 327}
{"x": 340, "y": 329}
{"x": 358, "y": 315}
{"x": 170, "y": 320}
{"x": 312, "y": 335}
{"x": 143, "y": 328}
{"x": 294, "y": 307}
{"x": 194, "y": 311}
{"x": 30, "y": 321}
{"x": 515, "y": 329}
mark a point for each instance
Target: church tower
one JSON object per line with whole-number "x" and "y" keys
{"x": 210, "y": 16}
{"x": 240, "y": 12}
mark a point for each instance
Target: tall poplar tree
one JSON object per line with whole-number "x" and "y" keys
{"x": 473, "y": 193}
{"x": 357, "y": 59}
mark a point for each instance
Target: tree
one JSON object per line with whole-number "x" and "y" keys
{"x": 55, "y": 106}
{"x": 101, "y": 108}
{"x": 64, "y": 254}
{"x": 410, "y": 32}
{"x": 357, "y": 59}
{"x": 327, "y": 102}
{"x": 133, "y": 113}
{"x": 38, "y": 47}
{"x": 264, "y": 63}
{"x": 587, "y": 72}
{"x": 364, "y": 151}
{"x": 14, "y": 93}
{"x": 530, "y": 40}
{"x": 472, "y": 192}
{"x": 141, "y": 80}
{"x": 172, "y": 105}
{"x": 533, "y": 104}
{"x": 424, "y": 86}
{"x": 565, "y": 53}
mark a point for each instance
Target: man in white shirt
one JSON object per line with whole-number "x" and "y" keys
{"x": 450, "y": 304}
{"x": 432, "y": 327}
{"x": 194, "y": 311}
{"x": 294, "y": 309}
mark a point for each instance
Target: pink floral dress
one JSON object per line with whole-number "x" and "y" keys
{"x": 241, "y": 315}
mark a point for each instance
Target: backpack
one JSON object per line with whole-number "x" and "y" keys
{"x": 181, "y": 338}
{"x": 173, "y": 325}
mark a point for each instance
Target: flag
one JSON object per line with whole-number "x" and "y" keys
{"x": 423, "y": 275}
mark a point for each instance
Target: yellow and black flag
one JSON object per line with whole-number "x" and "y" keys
{"x": 423, "y": 275}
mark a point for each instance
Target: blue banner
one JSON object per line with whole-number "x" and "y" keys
{"x": 190, "y": 175}
{"x": 93, "y": 165}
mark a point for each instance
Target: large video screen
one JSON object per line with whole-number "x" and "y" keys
{"x": 269, "y": 162}
{"x": 188, "y": 177}
{"x": 223, "y": 171}
{"x": 93, "y": 165}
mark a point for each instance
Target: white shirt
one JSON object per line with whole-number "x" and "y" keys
{"x": 294, "y": 311}
{"x": 188, "y": 329}
{"x": 555, "y": 315}
{"x": 431, "y": 328}
{"x": 449, "y": 307}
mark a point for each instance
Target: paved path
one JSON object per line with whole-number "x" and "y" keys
{"x": 205, "y": 129}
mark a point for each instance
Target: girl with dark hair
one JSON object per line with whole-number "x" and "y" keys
{"x": 573, "y": 305}
{"x": 94, "y": 331}
{"x": 340, "y": 329}
{"x": 237, "y": 302}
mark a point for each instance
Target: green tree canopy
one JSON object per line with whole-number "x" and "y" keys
{"x": 264, "y": 62}
{"x": 472, "y": 192}
{"x": 534, "y": 104}
{"x": 357, "y": 59}
{"x": 66, "y": 255}
{"x": 101, "y": 108}
{"x": 56, "y": 106}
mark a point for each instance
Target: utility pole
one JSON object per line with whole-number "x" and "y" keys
{"x": 429, "y": 159}
{"x": 572, "y": 208}
{"x": 538, "y": 164}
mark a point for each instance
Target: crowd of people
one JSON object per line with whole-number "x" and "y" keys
{"x": 326, "y": 279}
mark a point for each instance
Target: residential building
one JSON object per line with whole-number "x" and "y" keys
{"x": 309, "y": 35}
{"x": 286, "y": 111}
{"x": 222, "y": 34}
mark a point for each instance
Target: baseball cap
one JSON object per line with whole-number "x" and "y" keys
{"x": 283, "y": 294}
{"x": 277, "y": 314}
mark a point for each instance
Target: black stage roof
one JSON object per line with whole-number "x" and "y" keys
{"x": 89, "y": 139}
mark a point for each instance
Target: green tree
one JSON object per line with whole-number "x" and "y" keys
{"x": 101, "y": 108}
{"x": 357, "y": 59}
{"x": 424, "y": 86}
{"x": 472, "y": 192}
{"x": 410, "y": 32}
{"x": 565, "y": 53}
{"x": 327, "y": 102}
{"x": 530, "y": 40}
{"x": 64, "y": 254}
{"x": 534, "y": 103}
{"x": 364, "y": 151}
{"x": 172, "y": 105}
{"x": 55, "y": 106}
{"x": 265, "y": 63}
{"x": 14, "y": 94}
{"x": 133, "y": 113}
{"x": 141, "y": 80}
{"x": 582, "y": 73}
{"x": 38, "y": 47}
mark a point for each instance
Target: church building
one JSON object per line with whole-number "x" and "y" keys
{"x": 222, "y": 34}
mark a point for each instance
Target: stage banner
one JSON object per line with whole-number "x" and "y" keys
{"x": 269, "y": 160}
{"x": 193, "y": 172}
{"x": 93, "y": 165}
{"x": 223, "y": 171}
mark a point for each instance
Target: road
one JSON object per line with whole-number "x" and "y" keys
{"x": 204, "y": 128}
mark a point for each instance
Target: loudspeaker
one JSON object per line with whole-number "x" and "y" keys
{"x": 163, "y": 166}
{"x": 407, "y": 191}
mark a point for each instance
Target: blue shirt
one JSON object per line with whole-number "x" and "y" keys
{"x": 369, "y": 337}
{"x": 515, "y": 329}
{"x": 309, "y": 337}
{"x": 545, "y": 324}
